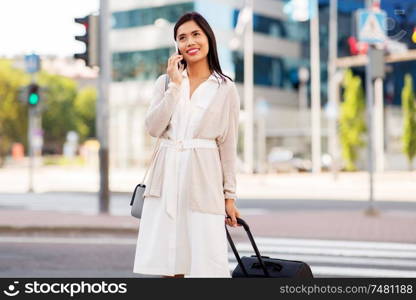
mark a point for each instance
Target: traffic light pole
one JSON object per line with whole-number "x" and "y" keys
{"x": 97, "y": 53}
{"x": 315, "y": 90}
{"x": 370, "y": 116}
{"x": 31, "y": 112}
{"x": 332, "y": 86}
{"x": 102, "y": 108}
{"x": 370, "y": 108}
{"x": 31, "y": 128}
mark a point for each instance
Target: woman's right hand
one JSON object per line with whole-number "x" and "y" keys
{"x": 174, "y": 72}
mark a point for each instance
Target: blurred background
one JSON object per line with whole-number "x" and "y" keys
{"x": 327, "y": 130}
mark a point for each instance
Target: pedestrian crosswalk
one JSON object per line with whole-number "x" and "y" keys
{"x": 335, "y": 258}
{"x": 327, "y": 258}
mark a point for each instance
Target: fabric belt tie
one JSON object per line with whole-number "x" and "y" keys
{"x": 182, "y": 145}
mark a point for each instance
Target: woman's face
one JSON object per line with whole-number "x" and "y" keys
{"x": 192, "y": 42}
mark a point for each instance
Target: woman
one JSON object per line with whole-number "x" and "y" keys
{"x": 190, "y": 189}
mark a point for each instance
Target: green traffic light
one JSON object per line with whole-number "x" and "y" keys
{"x": 33, "y": 99}
{"x": 33, "y": 94}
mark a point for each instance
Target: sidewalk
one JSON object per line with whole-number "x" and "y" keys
{"x": 40, "y": 222}
{"x": 389, "y": 186}
{"x": 389, "y": 226}
{"x": 392, "y": 226}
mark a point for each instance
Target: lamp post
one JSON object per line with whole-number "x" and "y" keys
{"x": 303, "y": 10}
{"x": 315, "y": 87}
{"x": 102, "y": 108}
{"x": 333, "y": 86}
{"x": 244, "y": 28}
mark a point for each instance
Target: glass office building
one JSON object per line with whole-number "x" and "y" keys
{"x": 140, "y": 50}
{"x": 269, "y": 70}
{"x": 401, "y": 22}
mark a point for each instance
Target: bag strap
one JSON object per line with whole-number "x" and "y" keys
{"x": 166, "y": 81}
{"x": 151, "y": 160}
{"x": 158, "y": 139}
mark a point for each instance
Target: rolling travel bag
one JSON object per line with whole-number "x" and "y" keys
{"x": 264, "y": 266}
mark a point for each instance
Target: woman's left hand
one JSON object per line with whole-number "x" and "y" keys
{"x": 232, "y": 212}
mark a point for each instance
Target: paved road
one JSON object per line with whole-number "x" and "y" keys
{"x": 109, "y": 256}
{"x": 317, "y": 219}
{"x": 337, "y": 258}
{"x": 87, "y": 203}
{"x": 66, "y": 257}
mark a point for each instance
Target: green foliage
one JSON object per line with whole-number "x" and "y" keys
{"x": 63, "y": 108}
{"x": 60, "y": 160}
{"x": 13, "y": 114}
{"x": 352, "y": 119}
{"x": 67, "y": 109}
{"x": 59, "y": 115}
{"x": 85, "y": 109}
{"x": 409, "y": 119}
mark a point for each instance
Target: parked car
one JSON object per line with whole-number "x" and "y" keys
{"x": 285, "y": 160}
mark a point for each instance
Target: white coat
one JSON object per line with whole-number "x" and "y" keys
{"x": 211, "y": 176}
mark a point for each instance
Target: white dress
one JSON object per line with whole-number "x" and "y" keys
{"x": 193, "y": 243}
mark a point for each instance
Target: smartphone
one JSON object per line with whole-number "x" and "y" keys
{"x": 182, "y": 62}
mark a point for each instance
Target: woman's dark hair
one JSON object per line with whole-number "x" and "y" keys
{"x": 213, "y": 62}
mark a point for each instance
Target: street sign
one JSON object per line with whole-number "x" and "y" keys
{"x": 371, "y": 26}
{"x": 376, "y": 59}
{"x": 32, "y": 62}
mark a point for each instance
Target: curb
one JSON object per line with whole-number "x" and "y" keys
{"x": 4, "y": 229}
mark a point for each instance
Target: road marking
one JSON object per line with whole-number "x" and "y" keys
{"x": 384, "y": 262}
{"x": 325, "y": 271}
{"x": 337, "y": 258}
{"x": 333, "y": 252}
{"x": 335, "y": 243}
{"x": 382, "y": 259}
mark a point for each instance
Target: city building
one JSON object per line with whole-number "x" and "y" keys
{"x": 140, "y": 49}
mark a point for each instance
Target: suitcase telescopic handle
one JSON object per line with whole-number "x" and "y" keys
{"x": 253, "y": 244}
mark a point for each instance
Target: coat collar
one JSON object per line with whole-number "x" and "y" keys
{"x": 222, "y": 89}
{"x": 214, "y": 75}
{"x": 205, "y": 120}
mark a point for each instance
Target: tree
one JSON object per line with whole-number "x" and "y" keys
{"x": 85, "y": 109}
{"x": 13, "y": 113}
{"x": 409, "y": 120}
{"x": 352, "y": 119}
{"x": 58, "y": 116}
{"x": 63, "y": 109}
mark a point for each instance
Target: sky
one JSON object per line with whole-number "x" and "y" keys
{"x": 42, "y": 26}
